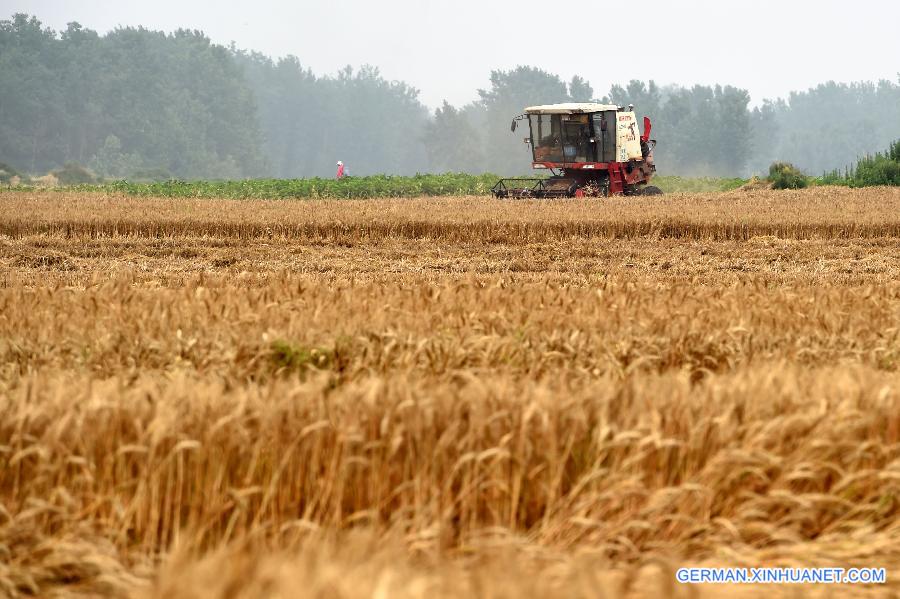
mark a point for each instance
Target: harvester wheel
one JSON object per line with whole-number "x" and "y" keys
{"x": 651, "y": 190}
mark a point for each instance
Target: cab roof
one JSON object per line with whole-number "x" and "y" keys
{"x": 570, "y": 108}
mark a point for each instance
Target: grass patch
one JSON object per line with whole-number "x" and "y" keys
{"x": 295, "y": 357}
{"x": 675, "y": 184}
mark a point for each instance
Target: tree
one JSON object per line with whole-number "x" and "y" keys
{"x": 731, "y": 130}
{"x": 452, "y": 142}
{"x": 764, "y": 134}
{"x": 375, "y": 125}
{"x": 310, "y": 122}
{"x": 701, "y": 131}
{"x": 580, "y": 90}
{"x": 645, "y": 97}
{"x": 289, "y": 110}
{"x": 828, "y": 127}
{"x": 31, "y": 98}
{"x": 175, "y": 101}
{"x": 510, "y": 92}
{"x": 111, "y": 163}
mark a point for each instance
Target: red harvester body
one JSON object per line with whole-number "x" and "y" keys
{"x": 590, "y": 149}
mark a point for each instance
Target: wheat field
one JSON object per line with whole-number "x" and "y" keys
{"x": 446, "y": 397}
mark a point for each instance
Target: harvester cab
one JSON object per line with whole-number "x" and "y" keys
{"x": 590, "y": 149}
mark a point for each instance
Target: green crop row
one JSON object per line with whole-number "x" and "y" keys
{"x": 377, "y": 186}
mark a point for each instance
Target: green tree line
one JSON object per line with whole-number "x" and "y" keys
{"x": 136, "y": 103}
{"x": 127, "y": 101}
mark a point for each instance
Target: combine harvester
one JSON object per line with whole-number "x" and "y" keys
{"x": 592, "y": 150}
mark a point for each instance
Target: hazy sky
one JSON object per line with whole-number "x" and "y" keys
{"x": 447, "y": 49}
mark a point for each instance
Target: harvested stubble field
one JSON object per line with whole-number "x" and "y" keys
{"x": 446, "y": 397}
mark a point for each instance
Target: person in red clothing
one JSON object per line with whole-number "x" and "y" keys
{"x": 340, "y": 171}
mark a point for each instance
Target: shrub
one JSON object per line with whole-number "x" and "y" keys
{"x": 881, "y": 169}
{"x": 785, "y": 175}
{"x": 73, "y": 173}
{"x": 834, "y": 177}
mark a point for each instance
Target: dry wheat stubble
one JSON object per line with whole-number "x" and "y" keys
{"x": 491, "y": 385}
